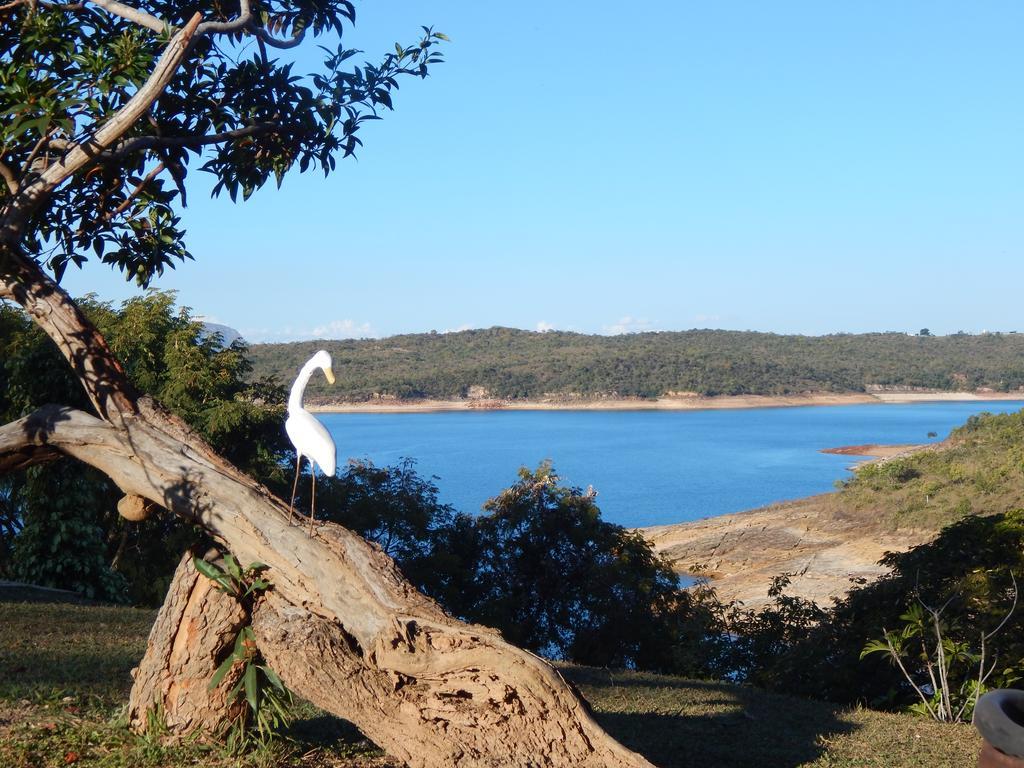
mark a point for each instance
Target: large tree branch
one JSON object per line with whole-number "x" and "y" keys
{"x": 24, "y": 282}
{"x": 238, "y": 24}
{"x": 193, "y": 141}
{"x": 134, "y": 15}
{"x": 340, "y": 624}
{"x": 273, "y": 42}
{"x": 245, "y": 21}
{"x": 20, "y": 450}
{"x": 198, "y": 617}
{"x": 32, "y": 194}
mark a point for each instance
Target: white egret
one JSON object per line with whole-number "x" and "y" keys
{"x": 308, "y": 435}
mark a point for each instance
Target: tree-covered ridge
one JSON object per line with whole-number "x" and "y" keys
{"x": 515, "y": 364}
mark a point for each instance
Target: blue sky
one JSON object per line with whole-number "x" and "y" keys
{"x": 797, "y": 167}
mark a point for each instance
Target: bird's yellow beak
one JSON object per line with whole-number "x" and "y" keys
{"x": 329, "y": 374}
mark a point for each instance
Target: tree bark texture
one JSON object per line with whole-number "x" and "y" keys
{"x": 194, "y": 631}
{"x": 340, "y": 624}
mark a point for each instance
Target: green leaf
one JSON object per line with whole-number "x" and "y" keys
{"x": 40, "y": 124}
{"x": 875, "y": 646}
{"x": 273, "y": 678}
{"x": 231, "y": 566}
{"x": 251, "y": 692}
{"x": 209, "y": 570}
{"x": 222, "y": 671}
{"x": 279, "y": 707}
{"x": 58, "y": 270}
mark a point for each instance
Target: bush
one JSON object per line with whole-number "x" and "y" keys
{"x": 802, "y": 648}
{"x": 557, "y": 579}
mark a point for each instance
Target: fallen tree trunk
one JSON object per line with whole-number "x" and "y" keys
{"x": 340, "y": 624}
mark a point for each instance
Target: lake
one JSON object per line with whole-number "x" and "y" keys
{"x": 649, "y": 467}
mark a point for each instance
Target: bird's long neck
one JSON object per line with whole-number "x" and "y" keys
{"x": 295, "y": 398}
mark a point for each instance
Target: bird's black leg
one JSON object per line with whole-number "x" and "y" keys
{"x": 295, "y": 485}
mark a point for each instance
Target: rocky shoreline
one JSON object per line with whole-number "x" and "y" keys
{"x": 825, "y": 547}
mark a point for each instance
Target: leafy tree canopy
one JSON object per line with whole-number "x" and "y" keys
{"x": 556, "y": 578}
{"x": 233, "y": 105}
{"x": 538, "y": 563}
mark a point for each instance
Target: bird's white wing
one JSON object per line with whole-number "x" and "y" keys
{"x": 311, "y": 439}
{"x": 290, "y": 427}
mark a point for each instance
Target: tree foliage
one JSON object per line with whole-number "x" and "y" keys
{"x": 556, "y": 578}
{"x": 62, "y": 528}
{"x": 538, "y": 563}
{"x": 235, "y": 106}
{"x": 61, "y": 537}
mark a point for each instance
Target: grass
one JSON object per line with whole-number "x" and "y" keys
{"x": 65, "y": 673}
{"x": 65, "y": 676}
{"x": 979, "y": 470}
{"x": 677, "y": 722}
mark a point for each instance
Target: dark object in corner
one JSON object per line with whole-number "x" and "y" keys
{"x": 999, "y": 717}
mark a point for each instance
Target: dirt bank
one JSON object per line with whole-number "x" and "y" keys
{"x": 682, "y": 402}
{"x": 874, "y": 450}
{"x": 823, "y": 546}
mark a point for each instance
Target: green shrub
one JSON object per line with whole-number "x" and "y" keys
{"x": 803, "y": 648}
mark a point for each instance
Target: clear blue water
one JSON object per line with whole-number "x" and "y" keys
{"x": 649, "y": 467}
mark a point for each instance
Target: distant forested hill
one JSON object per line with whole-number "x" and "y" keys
{"x": 509, "y": 363}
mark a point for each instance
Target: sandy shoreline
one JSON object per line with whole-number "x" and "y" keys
{"x": 873, "y": 450}
{"x": 680, "y": 403}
